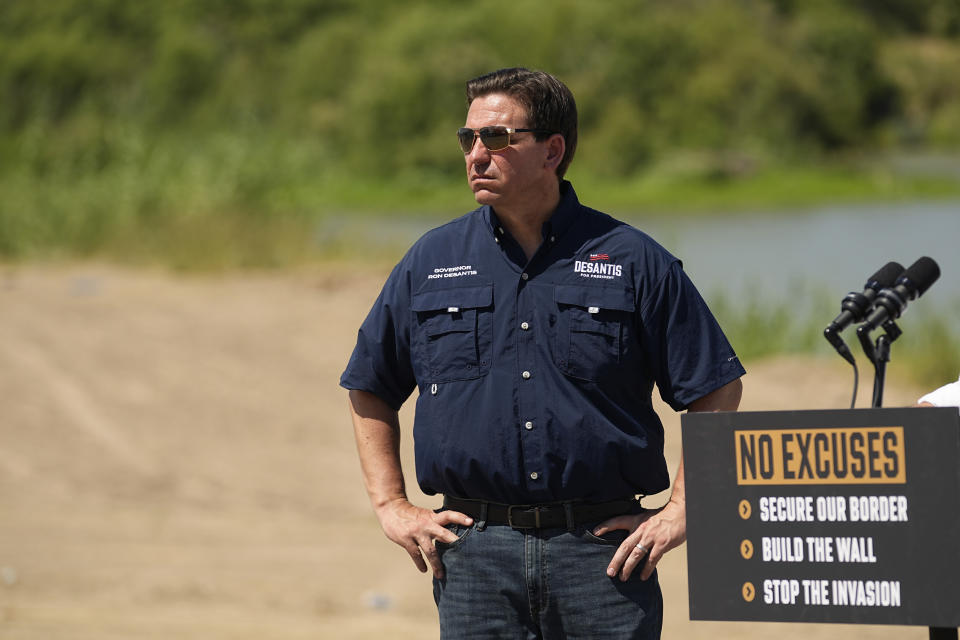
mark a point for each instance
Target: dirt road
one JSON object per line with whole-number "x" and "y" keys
{"x": 176, "y": 461}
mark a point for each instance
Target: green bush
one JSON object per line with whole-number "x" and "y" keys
{"x": 120, "y": 119}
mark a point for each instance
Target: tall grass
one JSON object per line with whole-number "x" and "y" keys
{"x": 928, "y": 352}
{"x": 211, "y": 134}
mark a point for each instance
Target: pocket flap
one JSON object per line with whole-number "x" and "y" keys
{"x": 599, "y": 297}
{"x": 457, "y": 298}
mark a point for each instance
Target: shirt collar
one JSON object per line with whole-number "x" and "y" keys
{"x": 558, "y": 223}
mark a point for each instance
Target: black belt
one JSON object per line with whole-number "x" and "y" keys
{"x": 542, "y": 516}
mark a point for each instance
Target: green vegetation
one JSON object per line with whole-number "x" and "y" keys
{"x": 928, "y": 352}
{"x": 209, "y": 134}
{"x": 215, "y": 133}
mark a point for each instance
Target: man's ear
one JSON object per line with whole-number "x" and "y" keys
{"x": 556, "y": 146}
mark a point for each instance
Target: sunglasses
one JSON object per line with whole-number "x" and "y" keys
{"x": 493, "y": 138}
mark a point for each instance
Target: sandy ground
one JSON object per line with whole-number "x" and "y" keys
{"x": 176, "y": 461}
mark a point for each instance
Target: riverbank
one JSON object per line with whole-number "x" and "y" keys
{"x": 232, "y": 203}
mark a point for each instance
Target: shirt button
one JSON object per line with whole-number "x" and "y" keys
{"x": 528, "y": 425}
{"x": 524, "y": 325}
{"x": 524, "y": 276}
{"x": 525, "y": 375}
{"x": 534, "y": 475}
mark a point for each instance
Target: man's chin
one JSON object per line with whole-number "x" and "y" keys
{"x": 483, "y": 196}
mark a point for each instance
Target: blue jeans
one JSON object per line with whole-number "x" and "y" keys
{"x": 541, "y": 584}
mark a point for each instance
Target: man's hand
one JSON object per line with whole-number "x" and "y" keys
{"x": 377, "y": 429}
{"x": 658, "y": 532}
{"x": 665, "y": 528}
{"x": 415, "y": 529}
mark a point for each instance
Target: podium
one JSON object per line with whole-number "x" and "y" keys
{"x": 848, "y": 516}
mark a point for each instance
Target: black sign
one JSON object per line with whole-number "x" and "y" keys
{"x": 824, "y": 516}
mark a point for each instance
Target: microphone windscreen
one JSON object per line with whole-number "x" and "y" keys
{"x": 921, "y": 274}
{"x": 886, "y": 277}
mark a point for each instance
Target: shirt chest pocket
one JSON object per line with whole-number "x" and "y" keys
{"x": 452, "y": 340}
{"x": 592, "y": 330}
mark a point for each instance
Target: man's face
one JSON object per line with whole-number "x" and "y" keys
{"x": 504, "y": 177}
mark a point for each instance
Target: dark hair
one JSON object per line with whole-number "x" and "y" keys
{"x": 549, "y": 103}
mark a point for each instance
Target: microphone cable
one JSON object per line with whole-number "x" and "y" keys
{"x": 856, "y": 383}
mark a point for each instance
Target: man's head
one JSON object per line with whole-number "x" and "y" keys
{"x": 514, "y": 140}
{"x": 549, "y": 104}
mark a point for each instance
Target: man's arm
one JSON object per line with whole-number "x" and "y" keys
{"x": 726, "y": 398}
{"x": 665, "y": 528}
{"x": 377, "y": 430}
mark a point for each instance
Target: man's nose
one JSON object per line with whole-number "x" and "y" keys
{"x": 479, "y": 154}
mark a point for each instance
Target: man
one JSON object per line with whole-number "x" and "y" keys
{"x": 534, "y": 329}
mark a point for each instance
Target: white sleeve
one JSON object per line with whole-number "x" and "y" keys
{"x": 946, "y": 396}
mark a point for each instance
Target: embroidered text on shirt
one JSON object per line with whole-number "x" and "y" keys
{"x": 604, "y": 270}
{"x": 452, "y": 272}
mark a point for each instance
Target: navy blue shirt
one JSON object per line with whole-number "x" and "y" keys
{"x": 535, "y": 377}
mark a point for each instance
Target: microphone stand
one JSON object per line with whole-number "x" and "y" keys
{"x": 879, "y": 355}
{"x": 891, "y": 333}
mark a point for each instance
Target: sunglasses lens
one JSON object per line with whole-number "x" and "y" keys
{"x": 495, "y": 138}
{"x": 465, "y": 137}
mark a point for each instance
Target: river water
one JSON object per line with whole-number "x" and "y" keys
{"x": 831, "y": 248}
{"x": 783, "y": 255}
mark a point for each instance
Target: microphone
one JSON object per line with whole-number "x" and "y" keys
{"x": 892, "y": 301}
{"x": 856, "y": 306}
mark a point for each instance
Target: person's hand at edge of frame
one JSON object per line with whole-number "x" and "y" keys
{"x": 416, "y": 529}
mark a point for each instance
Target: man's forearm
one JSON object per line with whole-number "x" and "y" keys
{"x": 726, "y": 398}
{"x": 377, "y": 430}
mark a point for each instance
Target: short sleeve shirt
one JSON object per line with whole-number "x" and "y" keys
{"x": 535, "y": 377}
{"x": 946, "y": 396}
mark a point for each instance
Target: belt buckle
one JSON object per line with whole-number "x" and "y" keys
{"x": 536, "y": 516}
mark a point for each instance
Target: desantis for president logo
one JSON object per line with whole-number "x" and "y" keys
{"x": 598, "y": 266}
